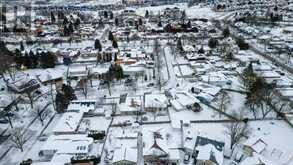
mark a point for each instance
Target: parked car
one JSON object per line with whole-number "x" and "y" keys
{"x": 202, "y": 99}
{"x": 128, "y": 82}
{"x": 280, "y": 72}
{"x": 9, "y": 114}
{"x": 150, "y": 85}
{"x": 3, "y": 121}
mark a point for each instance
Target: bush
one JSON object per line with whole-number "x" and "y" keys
{"x": 242, "y": 44}
{"x": 213, "y": 43}
{"x": 226, "y": 32}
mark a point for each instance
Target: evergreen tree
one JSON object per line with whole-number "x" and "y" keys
{"x": 77, "y": 23}
{"x": 101, "y": 23}
{"x": 35, "y": 60}
{"x": 98, "y": 45}
{"x": 61, "y": 102}
{"x": 179, "y": 45}
{"x": 4, "y": 50}
{"x": 31, "y": 53}
{"x": 136, "y": 25}
{"x": 17, "y": 58}
{"x": 242, "y": 44}
{"x": 31, "y": 60}
{"x": 115, "y": 44}
{"x": 27, "y": 61}
{"x": 14, "y": 28}
{"x": 70, "y": 28}
{"x": 140, "y": 21}
{"x": 226, "y": 32}
{"x": 119, "y": 72}
{"x": 51, "y": 60}
{"x": 65, "y": 31}
{"x": 115, "y": 71}
{"x": 68, "y": 92}
{"x": 111, "y": 15}
{"x": 48, "y": 60}
{"x": 183, "y": 16}
{"x": 60, "y": 15}
{"x": 53, "y": 19}
{"x": 43, "y": 60}
{"x": 115, "y": 57}
{"x": 67, "y": 61}
{"x": 116, "y": 22}
{"x": 6, "y": 58}
{"x": 201, "y": 50}
{"x": 65, "y": 20}
{"x": 3, "y": 18}
{"x": 248, "y": 76}
{"x": 5, "y": 29}
{"x": 111, "y": 37}
{"x": 189, "y": 24}
{"x": 21, "y": 46}
{"x": 213, "y": 43}
{"x": 105, "y": 14}
{"x": 168, "y": 28}
{"x": 229, "y": 56}
{"x": 146, "y": 14}
{"x": 160, "y": 24}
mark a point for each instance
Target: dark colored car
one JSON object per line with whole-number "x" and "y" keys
{"x": 150, "y": 85}
{"x": 9, "y": 114}
{"x": 3, "y": 121}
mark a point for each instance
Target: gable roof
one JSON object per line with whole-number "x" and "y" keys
{"x": 125, "y": 154}
{"x": 156, "y": 150}
{"x": 209, "y": 149}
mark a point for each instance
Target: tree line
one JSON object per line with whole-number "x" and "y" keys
{"x": 30, "y": 60}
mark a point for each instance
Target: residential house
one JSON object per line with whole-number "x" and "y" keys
{"x": 130, "y": 106}
{"x": 69, "y": 123}
{"x": 156, "y": 102}
{"x": 125, "y": 156}
{"x": 23, "y": 83}
{"x": 78, "y": 72}
{"x": 82, "y": 106}
{"x": 61, "y": 148}
{"x": 208, "y": 151}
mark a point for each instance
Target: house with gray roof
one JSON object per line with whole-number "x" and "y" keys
{"x": 208, "y": 151}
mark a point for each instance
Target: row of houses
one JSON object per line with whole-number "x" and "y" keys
{"x": 72, "y": 139}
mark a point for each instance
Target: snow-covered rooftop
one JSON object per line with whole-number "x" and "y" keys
{"x": 68, "y": 123}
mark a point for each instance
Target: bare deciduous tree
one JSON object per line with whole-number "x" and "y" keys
{"x": 15, "y": 100}
{"x": 268, "y": 96}
{"x": 283, "y": 106}
{"x": 236, "y": 130}
{"x": 30, "y": 95}
{"x": 84, "y": 86}
{"x": 223, "y": 101}
{"x": 18, "y": 137}
{"x": 41, "y": 112}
